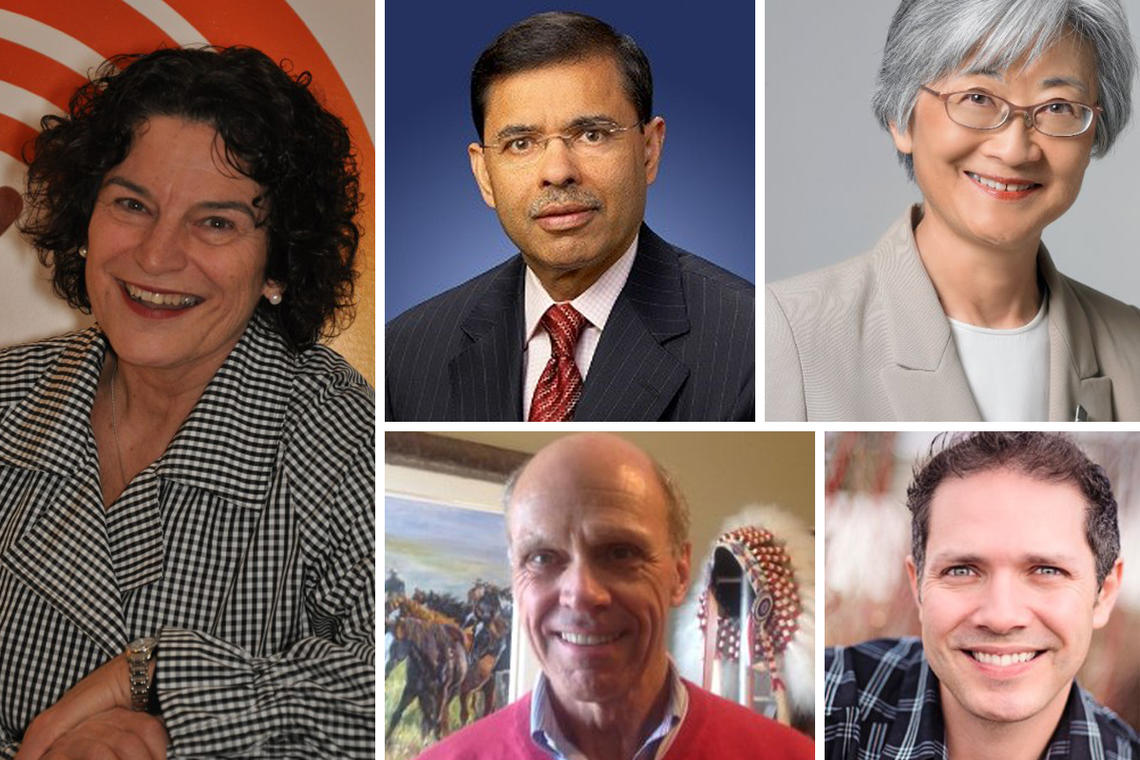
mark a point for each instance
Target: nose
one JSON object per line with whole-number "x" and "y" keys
{"x": 1002, "y": 606}
{"x": 557, "y": 164}
{"x": 161, "y": 248}
{"x": 1015, "y": 142}
{"x": 582, "y": 587}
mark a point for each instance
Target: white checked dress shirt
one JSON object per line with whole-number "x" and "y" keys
{"x": 595, "y": 304}
{"x": 247, "y": 548}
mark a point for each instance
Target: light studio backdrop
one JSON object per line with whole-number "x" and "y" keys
{"x": 832, "y": 181}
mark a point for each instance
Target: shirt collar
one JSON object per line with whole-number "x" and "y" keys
{"x": 228, "y": 444}
{"x": 548, "y": 735}
{"x": 595, "y": 304}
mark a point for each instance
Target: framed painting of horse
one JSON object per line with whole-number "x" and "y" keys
{"x": 447, "y": 620}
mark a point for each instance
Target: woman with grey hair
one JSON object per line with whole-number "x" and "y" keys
{"x": 995, "y": 108}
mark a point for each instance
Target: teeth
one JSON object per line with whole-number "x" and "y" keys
{"x": 586, "y": 639}
{"x": 1003, "y": 660}
{"x": 999, "y": 185}
{"x": 159, "y": 299}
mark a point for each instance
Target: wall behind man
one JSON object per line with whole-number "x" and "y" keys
{"x": 46, "y": 50}
{"x": 438, "y": 231}
{"x": 833, "y": 184}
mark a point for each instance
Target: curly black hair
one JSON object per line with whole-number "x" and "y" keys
{"x": 275, "y": 132}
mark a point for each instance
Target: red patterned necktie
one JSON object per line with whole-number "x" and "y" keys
{"x": 560, "y": 385}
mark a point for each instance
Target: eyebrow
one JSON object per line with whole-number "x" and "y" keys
{"x": 955, "y": 558}
{"x": 579, "y": 122}
{"x": 992, "y": 73}
{"x": 238, "y": 206}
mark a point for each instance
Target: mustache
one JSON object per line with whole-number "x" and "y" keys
{"x": 560, "y": 196}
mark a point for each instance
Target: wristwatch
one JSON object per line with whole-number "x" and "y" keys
{"x": 139, "y": 654}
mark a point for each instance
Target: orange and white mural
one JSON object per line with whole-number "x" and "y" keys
{"x": 48, "y": 48}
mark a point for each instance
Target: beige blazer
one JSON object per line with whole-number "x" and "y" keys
{"x": 867, "y": 339}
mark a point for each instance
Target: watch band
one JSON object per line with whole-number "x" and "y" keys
{"x": 139, "y": 654}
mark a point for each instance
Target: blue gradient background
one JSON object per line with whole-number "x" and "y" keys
{"x": 438, "y": 231}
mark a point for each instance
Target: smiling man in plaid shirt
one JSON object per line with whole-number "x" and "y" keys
{"x": 1014, "y": 563}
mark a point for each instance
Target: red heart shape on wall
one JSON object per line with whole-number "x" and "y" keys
{"x": 11, "y": 204}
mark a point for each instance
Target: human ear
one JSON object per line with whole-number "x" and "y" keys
{"x": 479, "y": 169}
{"x": 912, "y": 577}
{"x": 903, "y": 141}
{"x": 1106, "y": 597}
{"x": 654, "y": 142}
{"x": 683, "y": 562}
{"x": 273, "y": 291}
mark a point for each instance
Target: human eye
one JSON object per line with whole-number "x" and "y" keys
{"x": 594, "y": 135}
{"x": 1061, "y": 108}
{"x": 540, "y": 559}
{"x": 218, "y": 224}
{"x": 977, "y": 99}
{"x": 622, "y": 552}
{"x": 958, "y": 571}
{"x": 1049, "y": 571}
{"x": 521, "y": 145}
{"x": 131, "y": 205}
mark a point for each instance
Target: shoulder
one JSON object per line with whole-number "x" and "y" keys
{"x": 695, "y": 271}
{"x": 1104, "y": 312}
{"x": 828, "y": 298}
{"x": 446, "y": 310}
{"x": 1114, "y": 733}
{"x": 23, "y": 365}
{"x": 331, "y": 410}
{"x": 502, "y": 735}
{"x": 716, "y": 721}
{"x": 883, "y": 665}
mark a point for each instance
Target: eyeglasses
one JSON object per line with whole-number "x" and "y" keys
{"x": 978, "y": 109}
{"x": 587, "y": 140}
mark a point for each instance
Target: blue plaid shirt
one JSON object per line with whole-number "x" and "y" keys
{"x": 881, "y": 700}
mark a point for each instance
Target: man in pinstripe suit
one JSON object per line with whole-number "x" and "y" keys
{"x": 569, "y": 147}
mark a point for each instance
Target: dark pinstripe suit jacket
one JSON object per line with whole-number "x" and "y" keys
{"x": 678, "y": 345}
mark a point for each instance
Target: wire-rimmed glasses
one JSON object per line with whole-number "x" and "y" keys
{"x": 588, "y": 139}
{"x": 978, "y": 109}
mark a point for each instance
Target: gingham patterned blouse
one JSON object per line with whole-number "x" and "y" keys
{"x": 247, "y": 548}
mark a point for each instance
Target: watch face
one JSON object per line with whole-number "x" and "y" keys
{"x": 143, "y": 645}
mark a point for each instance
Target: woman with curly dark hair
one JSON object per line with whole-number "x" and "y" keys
{"x": 186, "y": 488}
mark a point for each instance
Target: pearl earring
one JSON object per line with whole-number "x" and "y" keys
{"x": 82, "y": 251}
{"x": 274, "y": 298}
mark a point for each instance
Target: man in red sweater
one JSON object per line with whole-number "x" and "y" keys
{"x": 597, "y": 536}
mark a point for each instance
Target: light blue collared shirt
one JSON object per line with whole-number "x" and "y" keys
{"x": 547, "y": 734}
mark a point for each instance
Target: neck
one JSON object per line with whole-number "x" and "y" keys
{"x": 567, "y": 283}
{"x": 136, "y": 414}
{"x": 969, "y": 737}
{"x": 987, "y": 286}
{"x": 613, "y": 730}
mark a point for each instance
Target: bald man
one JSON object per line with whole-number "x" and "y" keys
{"x": 599, "y": 553}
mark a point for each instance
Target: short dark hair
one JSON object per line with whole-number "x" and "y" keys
{"x": 545, "y": 39}
{"x": 1043, "y": 456}
{"x": 275, "y": 133}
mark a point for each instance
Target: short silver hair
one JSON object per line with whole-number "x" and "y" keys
{"x": 929, "y": 39}
{"x": 676, "y": 505}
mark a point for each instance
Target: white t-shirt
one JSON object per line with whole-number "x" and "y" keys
{"x": 1008, "y": 370}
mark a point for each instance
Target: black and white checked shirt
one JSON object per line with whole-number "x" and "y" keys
{"x": 881, "y": 700}
{"x": 247, "y": 548}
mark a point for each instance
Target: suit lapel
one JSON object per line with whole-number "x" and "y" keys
{"x": 62, "y": 552}
{"x": 1073, "y": 367}
{"x": 925, "y": 380}
{"x": 632, "y": 375}
{"x": 486, "y": 375}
